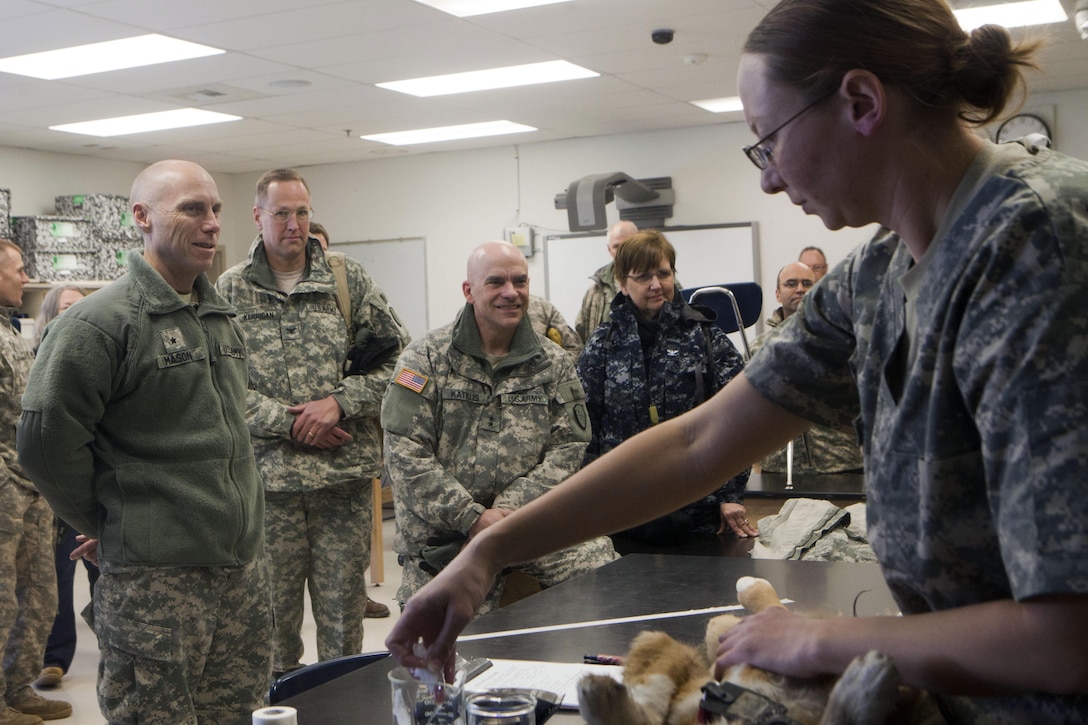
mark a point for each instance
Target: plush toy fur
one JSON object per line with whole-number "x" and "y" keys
{"x": 663, "y": 680}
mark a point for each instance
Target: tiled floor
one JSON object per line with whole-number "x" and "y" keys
{"x": 78, "y": 686}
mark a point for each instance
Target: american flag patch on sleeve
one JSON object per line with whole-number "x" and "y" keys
{"x": 411, "y": 379}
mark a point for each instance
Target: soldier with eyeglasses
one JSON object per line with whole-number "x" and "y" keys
{"x": 313, "y": 426}
{"x": 819, "y": 449}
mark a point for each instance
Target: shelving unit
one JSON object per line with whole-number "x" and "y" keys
{"x": 35, "y": 292}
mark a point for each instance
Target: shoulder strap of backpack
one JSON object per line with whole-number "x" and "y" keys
{"x": 706, "y": 388}
{"x": 343, "y": 296}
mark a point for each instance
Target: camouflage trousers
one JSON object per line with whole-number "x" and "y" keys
{"x": 182, "y": 645}
{"x": 28, "y": 586}
{"x": 549, "y": 570}
{"x": 319, "y": 539}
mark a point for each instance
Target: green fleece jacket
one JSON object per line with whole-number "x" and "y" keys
{"x": 133, "y": 425}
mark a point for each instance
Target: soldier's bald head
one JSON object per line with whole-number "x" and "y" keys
{"x": 484, "y": 256}
{"x": 153, "y": 181}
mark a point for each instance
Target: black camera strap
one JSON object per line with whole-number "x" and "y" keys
{"x": 741, "y": 705}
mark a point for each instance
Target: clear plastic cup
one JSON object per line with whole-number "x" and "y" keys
{"x": 416, "y": 702}
{"x": 501, "y": 708}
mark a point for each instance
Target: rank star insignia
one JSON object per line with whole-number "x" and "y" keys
{"x": 172, "y": 339}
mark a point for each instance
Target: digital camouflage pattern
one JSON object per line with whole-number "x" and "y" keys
{"x": 320, "y": 533}
{"x": 28, "y": 587}
{"x": 549, "y": 322}
{"x": 16, "y": 359}
{"x": 28, "y": 581}
{"x": 297, "y": 344}
{"x": 597, "y": 301}
{"x": 182, "y": 645}
{"x": 628, "y": 389}
{"x": 819, "y": 449}
{"x": 973, "y": 425}
{"x": 461, "y": 437}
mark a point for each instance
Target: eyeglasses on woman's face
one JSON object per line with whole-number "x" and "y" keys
{"x": 760, "y": 153}
{"x": 662, "y": 275}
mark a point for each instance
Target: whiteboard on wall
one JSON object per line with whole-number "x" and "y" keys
{"x": 399, "y": 266}
{"x": 711, "y": 254}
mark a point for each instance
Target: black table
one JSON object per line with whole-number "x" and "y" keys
{"x": 637, "y": 585}
{"x": 825, "y": 486}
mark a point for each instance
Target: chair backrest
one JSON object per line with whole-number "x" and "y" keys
{"x": 304, "y": 678}
{"x": 749, "y": 297}
{"x": 737, "y": 306}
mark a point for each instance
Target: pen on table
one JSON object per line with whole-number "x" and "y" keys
{"x": 603, "y": 659}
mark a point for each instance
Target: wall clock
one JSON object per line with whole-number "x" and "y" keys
{"x": 1020, "y": 125}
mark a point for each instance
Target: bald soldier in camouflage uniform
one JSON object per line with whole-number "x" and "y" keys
{"x": 28, "y": 588}
{"x": 819, "y": 449}
{"x": 482, "y": 417}
{"x": 314, "y": 428}
{"x": 134, "y": 428}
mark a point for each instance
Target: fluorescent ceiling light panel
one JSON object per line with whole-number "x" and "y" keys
{"x": 720, "y": 105}
{"x": 1012, "y": 14}
{"x": 83, "y": 60}
{"x": 468, "y": 8}
{"x": 449, "y": 133}
{"x": 144, "y": 122}
{"x": 482, "y": 80}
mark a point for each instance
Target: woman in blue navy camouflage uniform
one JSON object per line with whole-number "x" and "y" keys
{"x": 656, "y": 358}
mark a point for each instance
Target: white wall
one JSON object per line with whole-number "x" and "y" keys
{"x": 36, "y": 178}
{"x": 457, "y": 200}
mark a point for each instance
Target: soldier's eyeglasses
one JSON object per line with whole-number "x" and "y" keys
{"x": 761, "y": 155}
{"x": 283, "y": 215}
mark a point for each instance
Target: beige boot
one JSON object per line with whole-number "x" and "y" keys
{"x": 35, "y": 704}
{"x": 14, "y": 717}
{"x": 49, "y": 677}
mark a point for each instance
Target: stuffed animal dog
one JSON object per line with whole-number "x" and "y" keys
{"x": 663, "y": 683}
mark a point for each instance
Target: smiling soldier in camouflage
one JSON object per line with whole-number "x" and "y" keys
{"x": 483, "y": 416}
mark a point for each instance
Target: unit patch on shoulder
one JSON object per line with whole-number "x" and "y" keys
{"x": 412, "y": 380}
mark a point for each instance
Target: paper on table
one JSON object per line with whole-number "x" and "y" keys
{"x": 559, "y": 677}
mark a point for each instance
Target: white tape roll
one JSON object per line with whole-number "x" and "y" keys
{"x": 278, "y": 715}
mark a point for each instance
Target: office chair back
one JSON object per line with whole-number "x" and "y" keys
{"x": 738, "y": 305}
{"x": 305, "y": 678}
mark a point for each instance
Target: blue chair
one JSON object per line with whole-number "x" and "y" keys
{"x": 737, "y": 305}
{"x": 304, "y": 678}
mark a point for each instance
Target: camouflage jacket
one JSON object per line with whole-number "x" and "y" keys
{"x": 596, "y": 302}
{"x": 629, "y": 389}
{"x": 973, "y": 425}
{"x": 549, "y": 322}
{"x": 15, "y": 360}
{"x": 297, "y": 344}
{"x": 461, "y": 437}
{"x": 819, "y": 449}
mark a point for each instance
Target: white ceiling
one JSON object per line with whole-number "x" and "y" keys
{"x": 343, "y": 48}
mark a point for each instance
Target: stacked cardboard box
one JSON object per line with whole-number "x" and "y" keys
{"x": 55, "y": 248}
{"x": 109, "y": 214}
{"x": 112, "y": 227}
